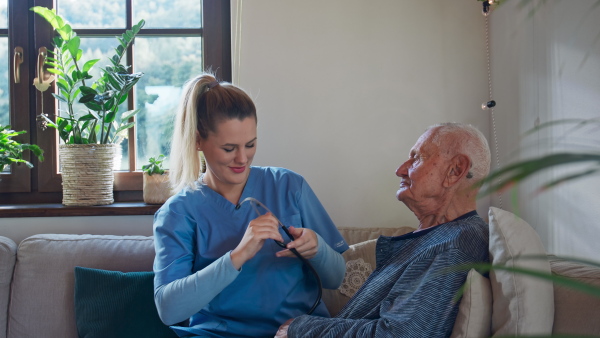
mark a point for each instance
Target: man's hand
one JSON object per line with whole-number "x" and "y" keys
{"x": 283, "y": 329}
{"x": 305, "y": 243}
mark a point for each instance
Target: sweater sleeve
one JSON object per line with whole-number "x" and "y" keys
{"x": 182, "y": 298}
{"x": 329, "y": 264}
{"x": 179, "y": 290}
{"x": 420, "y": 304}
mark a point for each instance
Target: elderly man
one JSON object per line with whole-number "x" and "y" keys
{"x": 411, "y": 291}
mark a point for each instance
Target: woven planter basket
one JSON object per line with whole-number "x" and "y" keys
{"x": 87, "y": 173}
{"x": 157, "y": 189}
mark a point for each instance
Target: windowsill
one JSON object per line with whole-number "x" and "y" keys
{"x": 59, "y": 210}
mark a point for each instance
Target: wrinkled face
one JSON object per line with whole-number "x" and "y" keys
{"x": 229, "y": 152}
{"x": 422, "y": 174}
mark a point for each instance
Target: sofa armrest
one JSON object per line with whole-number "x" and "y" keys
{"x": 8, "y": 255}
{"x": 575, "y": 312}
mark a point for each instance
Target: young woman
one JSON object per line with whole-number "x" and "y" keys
{"x": 217, "y": 262}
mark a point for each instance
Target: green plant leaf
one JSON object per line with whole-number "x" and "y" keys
{"x": 88, "y": 90}
{"x": 54, "y": 71}
{"x": 124, "y": 126}
{"x": 154, "y": 165}
{"x": 62, "y": 85}
{"x": 60, "y": 98}
{"x": 73, "y": 46}
{"x": 563, "y": 179}
{"x": 137, "y": 27}
{"x": 91, "y": 105}
{"x": 88, "y": 65}
{"x": 110, "y": 117}
{"x": 511, "y": 174}
{"x": 88, "y": 98}
{"x": 129, "y": 114}
{"x": 87, "y": 117}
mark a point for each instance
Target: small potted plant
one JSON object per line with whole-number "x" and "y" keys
{"x": 11, "y": 151}
{"x": 156, "y": 181}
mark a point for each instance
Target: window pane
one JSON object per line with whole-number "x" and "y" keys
{"x": 93, "y": 14}
{"x": 4, "y": 77}
{"x": 3, "y": 14}
{"x": 166, "y": 63}
{"x": 168, "y": 13}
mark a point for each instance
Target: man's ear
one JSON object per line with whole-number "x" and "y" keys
{"x": 459, "y": 168}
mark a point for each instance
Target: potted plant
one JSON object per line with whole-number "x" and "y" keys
{"x": 156, "y": 181}
{"x": 11, "y": 151}
{"x": 90, "y": 138}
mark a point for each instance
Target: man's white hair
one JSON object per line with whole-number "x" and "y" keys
{"x": 467, "y": 140}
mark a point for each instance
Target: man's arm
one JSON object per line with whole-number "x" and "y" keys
{"x": 420, "y": 304}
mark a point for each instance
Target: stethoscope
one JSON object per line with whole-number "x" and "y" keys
{"x": 255, "y": 204}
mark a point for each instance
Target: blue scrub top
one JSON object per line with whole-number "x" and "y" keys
{"x": 196, "y": 227}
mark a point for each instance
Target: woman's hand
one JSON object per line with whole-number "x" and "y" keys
{"x": 305, "y": 242}
{"x": 260, "y": 229}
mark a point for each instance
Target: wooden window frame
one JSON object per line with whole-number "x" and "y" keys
{"x": 42, "y": 184}
{"x": 19, "y": 179}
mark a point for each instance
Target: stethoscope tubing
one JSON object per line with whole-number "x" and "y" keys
{"x": 255, "y": 204}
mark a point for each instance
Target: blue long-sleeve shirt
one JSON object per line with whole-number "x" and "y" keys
{"x": 411, "y": 291}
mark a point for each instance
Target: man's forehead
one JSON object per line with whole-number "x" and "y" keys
{"x": 425, "y": 142}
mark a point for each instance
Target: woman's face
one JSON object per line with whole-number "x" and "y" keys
{"x": 229, "y": 152}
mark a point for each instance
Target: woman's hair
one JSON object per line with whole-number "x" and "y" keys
{"x": 205, "y": 103}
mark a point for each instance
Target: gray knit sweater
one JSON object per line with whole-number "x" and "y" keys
{"x": 411, "y": 291}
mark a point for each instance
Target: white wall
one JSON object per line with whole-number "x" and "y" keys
{"x": 343, "y": 89}
{"x": 546, "y": 66}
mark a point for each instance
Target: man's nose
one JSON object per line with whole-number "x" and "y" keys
{"x": 401, "y": 171}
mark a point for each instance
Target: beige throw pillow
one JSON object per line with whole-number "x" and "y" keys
{"x": 475, "y": 309}
{"x": 522, "y": 305}
{"x": 360, "y": 262}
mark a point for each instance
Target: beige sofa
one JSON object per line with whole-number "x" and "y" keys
{"x": 37, "y": 280}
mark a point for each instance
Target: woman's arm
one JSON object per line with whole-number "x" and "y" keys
{"x": 330, "y": 265}
{"x": 184, "y": 297}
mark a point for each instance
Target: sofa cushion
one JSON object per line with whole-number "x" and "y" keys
{"x": 522, "y": 305}
{"x": 117, "y": 304}
{"x": 8, "y": 254}
{"x": 42, "y": 297}
{"x": 358, "y": 235}
{"x": 475, "y": 310}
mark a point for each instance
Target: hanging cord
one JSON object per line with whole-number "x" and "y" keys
{"x": 491, "y": 103}
{"x": 255, "y": 204}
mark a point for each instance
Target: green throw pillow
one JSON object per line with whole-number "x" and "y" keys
{"x": 116, "y": 304}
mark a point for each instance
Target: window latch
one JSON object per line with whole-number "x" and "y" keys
{"x": 18, "y": 60}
